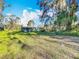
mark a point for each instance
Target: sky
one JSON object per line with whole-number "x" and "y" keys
{"x": 17, "y": 6}
{"x": 25, "y": 9}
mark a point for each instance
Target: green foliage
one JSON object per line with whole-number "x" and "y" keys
{"x": 65, "y": 13}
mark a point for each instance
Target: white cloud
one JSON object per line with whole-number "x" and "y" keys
{"x": 30, "y": 15}
{"x": 8, "y": 14}
{"x": 34, "y": 15}
{"x": 29, "y": 8}
{"x": 39, "y": 12}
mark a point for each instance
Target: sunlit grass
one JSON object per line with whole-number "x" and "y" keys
{"x": 20, "y": 45}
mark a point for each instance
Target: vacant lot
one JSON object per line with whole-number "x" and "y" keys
{"x": 18, "y": 45}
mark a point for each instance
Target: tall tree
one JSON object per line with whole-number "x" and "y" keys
{"x": 64, "y": 11}
{"x": 71, "y": 14}
{"x": 3, "y": 5}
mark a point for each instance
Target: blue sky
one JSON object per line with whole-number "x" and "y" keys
{"x": 17, "y": 6}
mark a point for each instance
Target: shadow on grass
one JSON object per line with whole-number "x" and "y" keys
{"x": 59, "y": 33}
{"x": 68, "y": 36}
{"x": 76, "y": 58}
{"x": 31, "y": 33}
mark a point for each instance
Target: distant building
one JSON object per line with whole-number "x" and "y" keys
{"x": 27, "y": 29}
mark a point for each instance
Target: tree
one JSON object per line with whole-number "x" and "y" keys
{"x": 12, "y": 22}
{"x": 1, "y": 8}
{"x": 30, "y": 23}
{"x": 64, "y": 11}
{"x": 73, "y": 8}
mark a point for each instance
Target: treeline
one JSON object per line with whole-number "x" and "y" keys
{"x": 58, "y": 15}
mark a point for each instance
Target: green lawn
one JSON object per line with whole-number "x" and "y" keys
{"x": 35, "y": 45}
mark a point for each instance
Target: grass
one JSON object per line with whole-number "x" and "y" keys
{"x": 35, "y": 45}
{"x": 60, "y": 33}
{"x": 68, "y": 33}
